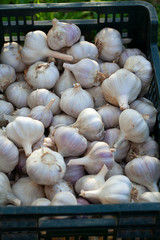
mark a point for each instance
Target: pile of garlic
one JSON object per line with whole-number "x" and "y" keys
{"x": 76, "y": 128}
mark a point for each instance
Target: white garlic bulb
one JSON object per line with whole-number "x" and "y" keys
{"x": 42, "y": 75}
{"x": 149, "y": 147}
{"x": 108, "y": 68}
{"x": 74, "y": 100}
{"x": 41, "y": 202}
{"x": 10, "y": 54}
{"x": 150, "y": 197}
{"x": 62, "y": 119}
{"x": 62, "y": 34}
{"x": 69, "y": 141}
{"x": 90, "y": 124}
{"x": 43, "y": 97}
{"x": 115, "y": 170}
{"x": 24, "y": 112}
{"x": 142, "y": 68}
{"x": 97, "y": 95}
{"x": 5, "y": 108}
{"x": 87, "y": 72}
{"x": 9, "y": 155}
{"x": 24, "y": 132}
{"x": 110, "y": 115}
{"x": 94, "y": 160}
{"x": 144, "y": 170}
{"x": 64, "y": 199}
{"x": 27, "y": 190}
{"x": 7, "y": 76}
{"x": 147, "y": 109}
{"x": 65, "y": 81}
{"x": 121, "y": 88}
{"x": 36, "y": 49}
{"x": 17, "y": 93}
{"x": 117, "y": 189}
{"x": 60, "y": 186}
{"x": 6, "y": 193}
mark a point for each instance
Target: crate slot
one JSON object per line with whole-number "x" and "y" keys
{"x": 110, "y": 18}
{"x": 117, "y": 17}
{"x": 125, "y": 17}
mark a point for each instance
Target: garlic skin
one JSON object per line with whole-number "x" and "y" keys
{"x": 117, "y": 189}
{"x": 121, "y": 88}
{"x": 115, "y": 170}
{"x": 110, "y": 115}
{"x": 5, "y": 108}
{"x": 36, "y": 48}
{"x": 94, "y": 160}
{"x": 62, "y": 119}
{"x": 43, "y": 97}
{"x": 142, "y": 69}
{"x": 62, "y": 34}
{"x": 27, "y": 191}
{"x": 45, "y": 167}
{"x": 69, "y": 141}
{"x": 60, "y": 186}
{"x": 150, "y": 197}
{"x": 10, "y": 54}
{"x": 149, "y": 147}
{"x": 7, "y": 76}
{"x": 41, "y": 202}
{"x": 90, "y": 124}
{"x": 64, "y": 199}
{"x": 97, "y": 95}
{"x": 133, "y": 127}
{"x": 17, "y": 93}
{"x": 137, "y": 190}
{"x": 42, "y": 75}
{"x": 9, "y": 155}
{"x": 6, "y": 193}
{"x": 91, "y": 182}
{"x": 109, "y": 68}
{"x": 21, "y": 130}
{"x": 65, "y": 81}
{"x": 86, "y": 72}
{"x": 144, "y": 170}
{"x": 147, "y": 109}
{"x": 74, "y": 100}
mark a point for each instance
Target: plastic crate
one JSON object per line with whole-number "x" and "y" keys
{"x": 134, "y": 221}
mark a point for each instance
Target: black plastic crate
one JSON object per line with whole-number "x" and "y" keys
{"x": 134, "y": 221}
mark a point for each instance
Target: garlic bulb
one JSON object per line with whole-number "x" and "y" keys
{"x": 117, "y": 189}
{"x": 108, "y": 68}
{"x": 64, "y": 199}
{"x": 150, "y": 197}
{"x": 36, "y": 49}
{"x": 43, "y": 113}
{"x": 62, "y": 119}
{"x": 91, "y": 182}
{"x": 27, "y": 190}
{"x": 115, "y": 170}
{"x": 5, "y": 108}
{"x": 74, "y": 100}
{"x": 24, "y": 132}
{"x": 121, "y": 88}
{"x": 83, "y": 49}
{"x": 65, "y": 81}
{"x": 147, "y": 109}
{"x": 109, "y": 44}
{"x": 110, "y": 115}
{"x": 43, "y": 97}
{"x": 6, "y": 194}
{"x": 17, "y": 93}
{"x": 90, "y": 124}
{"x": 45, "y": 167}
{"x": 133, "y": 127}
{"x": 144, "y": 170}
{"x": 24, "y": 112}
{"x": 97, "y": 95}
{"x": 126, "y": 53}
{"x": 82, "y": 201}
{"x": 137, "y": 190}
{"x": 60, "y": 186}
{"x": 10, "y": 54}
{"x": 86, "y": 72}
{"x": 142, "y": 68}
{"x": 62, "y": 34}
{"x": 42, "y": 75}
{"x": 41, "y": 202}
{"x": 69, "y": 141}
{"x": 149, "y": 147}
{"x": 8, "y": 155}
{"x": 94, "y": 160}
{"x": 7, "y": 76}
